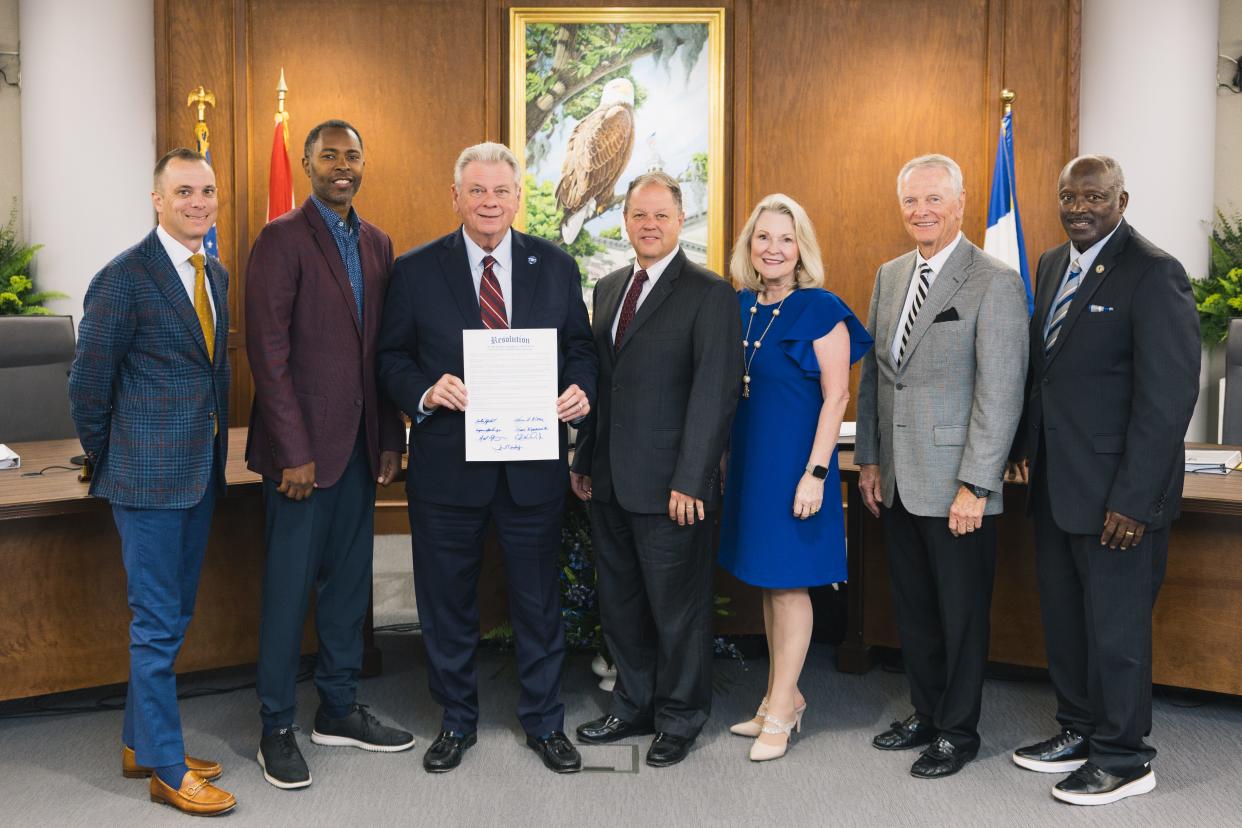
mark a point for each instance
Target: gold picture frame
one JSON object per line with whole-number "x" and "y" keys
{"x": 560, "y": 60}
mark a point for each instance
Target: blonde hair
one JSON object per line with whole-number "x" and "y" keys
{"x": 809, "y": 272}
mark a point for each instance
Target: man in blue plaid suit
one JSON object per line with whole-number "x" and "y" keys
{"x": 149, "y": 396}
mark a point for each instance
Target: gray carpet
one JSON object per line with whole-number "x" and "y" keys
{"x": 64, "y": 770}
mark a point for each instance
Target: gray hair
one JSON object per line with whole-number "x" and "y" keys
{"x": 1109, "y": 164}
{"x": 489, "y": 152}
{"x": 944, "y": 162}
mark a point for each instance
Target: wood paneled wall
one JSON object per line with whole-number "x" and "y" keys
{"x": 827, "y": 98}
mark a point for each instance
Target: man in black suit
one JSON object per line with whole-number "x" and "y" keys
{"x": 669, "y": 341}
{"x": 484, "y": 275}
{"x": 1113, "y": 381}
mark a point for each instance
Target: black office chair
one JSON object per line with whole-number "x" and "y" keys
{"x": 35, "y": 355}
{"x": 1231, "y": 427}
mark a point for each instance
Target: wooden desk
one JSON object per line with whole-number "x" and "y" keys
{"x": 63, "y": 612}
{"x": 1197, "y": 624}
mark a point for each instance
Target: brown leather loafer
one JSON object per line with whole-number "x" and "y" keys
{"x": 196, "y": 796}
{"x": 130, "y": 768}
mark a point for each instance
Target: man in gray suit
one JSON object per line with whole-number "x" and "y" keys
{"x": 938, "y": 404}
{"x": 668, "y": 334}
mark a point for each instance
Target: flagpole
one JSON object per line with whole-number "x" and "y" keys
{"x": 202, "y": 98}
{"x": 1007, "y": 97}
{"x": 280, "y": 174}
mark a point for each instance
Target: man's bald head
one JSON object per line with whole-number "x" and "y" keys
{"x": 1092, "y": 197}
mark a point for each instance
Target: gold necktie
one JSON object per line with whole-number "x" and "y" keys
{"x": 202, "y": 306}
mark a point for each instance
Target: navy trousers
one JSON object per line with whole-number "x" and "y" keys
{"x": 326, "y": 543}
{"x": 163, "y": 554}
{"x": 1096, "y": 604}
{"x": 448, "y": 553}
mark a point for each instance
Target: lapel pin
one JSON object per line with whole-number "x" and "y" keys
{"x": 531, "y": 260}
{"x": 1099, "y": 268}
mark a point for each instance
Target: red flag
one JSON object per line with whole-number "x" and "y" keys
{"x": 280, "y": 178}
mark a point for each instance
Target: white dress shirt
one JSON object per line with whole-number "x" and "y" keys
{"x": 653, "y": 275}
{"x": 180, "y": 257}
{"x": 1085, "y": 260}
{"x": 936, "y": 263}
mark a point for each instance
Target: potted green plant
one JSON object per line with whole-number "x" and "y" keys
{"x": 1218, "y": 297}
{"x": 18, "y": 296}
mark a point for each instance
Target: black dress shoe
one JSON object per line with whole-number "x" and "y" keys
{"x": 1092, "y": 785}
{"x": 556, "y": 751}
{"x": 667, "y": 749}
{"x": 1065, "y": 752}
{"x": 941, "y": 759}
{"x": 609, "y": 728}
{"x": 911, "y": 733}
{"x": 446, "y": 751}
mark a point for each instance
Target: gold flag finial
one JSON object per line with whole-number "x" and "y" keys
{"x": 281, "y": 90}
{"x": 1007, "y": 96}
{"x": 202, "y": 98}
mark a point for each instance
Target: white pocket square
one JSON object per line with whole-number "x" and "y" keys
{"x": 1100, "y": 308}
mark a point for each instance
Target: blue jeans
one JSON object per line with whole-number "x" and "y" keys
{"x": 163, "y": 554}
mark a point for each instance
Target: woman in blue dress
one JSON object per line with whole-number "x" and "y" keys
{"x": 783, "y": 528}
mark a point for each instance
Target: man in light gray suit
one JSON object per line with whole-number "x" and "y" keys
{"x": 938, "y": 405}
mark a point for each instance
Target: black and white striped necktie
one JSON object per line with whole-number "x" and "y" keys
{"x": 920, "y": 294}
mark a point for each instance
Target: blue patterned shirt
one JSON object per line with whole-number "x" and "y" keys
{"x": 345, "y": 234}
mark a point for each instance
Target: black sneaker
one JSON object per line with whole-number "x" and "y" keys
{"x": 359, "y": 729}
{"x": 1092, "y": 785}
{"x": 281, "y": 761}
{"x": 1063, "y": 753}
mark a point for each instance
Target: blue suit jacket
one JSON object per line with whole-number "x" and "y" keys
{"x": 144, "y": 396}
{"x": 431, "y": 299}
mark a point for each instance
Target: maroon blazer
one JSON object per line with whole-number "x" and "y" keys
{"x": 313, "y": 366}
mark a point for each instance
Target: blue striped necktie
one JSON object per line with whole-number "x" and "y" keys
{"x": 1061, "y": 306}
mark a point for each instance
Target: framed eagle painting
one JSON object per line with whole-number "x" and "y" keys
{"x": 599, "y": 96}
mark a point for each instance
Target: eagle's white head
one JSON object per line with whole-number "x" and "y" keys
{"x": 617, "y": 91}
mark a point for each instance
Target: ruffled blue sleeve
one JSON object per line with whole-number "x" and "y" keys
{"x": 820, "y": 313}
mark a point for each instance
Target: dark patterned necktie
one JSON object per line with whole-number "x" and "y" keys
{"x": 491, "y": 300}
{"x": 629, "y": 307}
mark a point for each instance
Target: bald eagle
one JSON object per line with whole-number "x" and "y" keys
{"x": 598, "y": 151}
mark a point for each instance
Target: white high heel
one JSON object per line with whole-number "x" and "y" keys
{"x": 754, "y": 726}
{"x": 762, "y": 751}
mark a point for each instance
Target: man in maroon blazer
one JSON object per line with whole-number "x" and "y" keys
{"x": 322, "y": 436}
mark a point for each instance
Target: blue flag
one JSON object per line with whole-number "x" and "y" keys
{"x": 210, "y": 242}
{"x": 1003, "y": 238}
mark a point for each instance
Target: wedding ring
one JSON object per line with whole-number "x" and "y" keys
{"x": 1130, "y": 532}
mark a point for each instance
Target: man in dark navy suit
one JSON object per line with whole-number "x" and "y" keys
{"x": 1114, "y": 375}
{"x": 485, "y": 275}
{"x": 149, "y": 393}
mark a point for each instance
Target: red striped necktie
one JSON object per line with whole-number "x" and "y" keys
{"x": 491, "y": 300}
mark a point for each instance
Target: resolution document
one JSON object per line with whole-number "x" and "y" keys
{"x": 510, "y": 378}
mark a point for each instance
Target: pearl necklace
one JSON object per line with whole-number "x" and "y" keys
{"x": 746, "y": 343}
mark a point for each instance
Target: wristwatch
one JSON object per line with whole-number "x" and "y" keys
{"x": 817, "y": 471}
{"x": 977, "y": 491}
